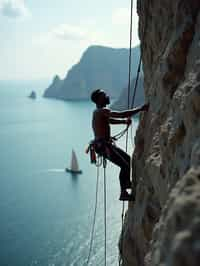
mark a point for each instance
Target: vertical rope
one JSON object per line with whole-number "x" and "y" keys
{"x": 133, "y": 99}
{"x": 129, "y": 66}
{"x": 140, "y": 63}
{"x": 130, "y": 52}
{"x": 134, "y": 93}
{"x": 104, "y": 160}
{"x": 136, "y": 81}
{"x": 140, "y": 60}
{"x": 95, "y": 212}
{"x": 128, "y": 105}
{"x": 105, "y": 232}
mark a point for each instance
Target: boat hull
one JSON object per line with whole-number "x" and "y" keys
{"x": 72, "y": 171}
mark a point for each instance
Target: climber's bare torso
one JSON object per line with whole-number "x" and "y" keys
{"x": 100, "y": 123}
{"x": 103, "y": 117}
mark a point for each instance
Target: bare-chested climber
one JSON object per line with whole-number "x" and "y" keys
{"x": 102, "y": 118}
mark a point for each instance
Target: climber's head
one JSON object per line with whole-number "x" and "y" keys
{"x": 100, "y": 98}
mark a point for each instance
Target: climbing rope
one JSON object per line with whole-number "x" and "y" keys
{"x": 136, "y": 80}
{"x": 129, "y": 66}
{"x": 140, "y": 60}
{"x": 95, "y": 211}
{"x": 139, "y": 68}
{"x": 116, "y": 137}
{"x": 120, "y": 134}
{"x": 132, "y": 104}
{"x": 130, "y": 53}
{"x": 128, "y": 102}
{"x": 125, "y": 131}
{"x": 105, "y": 229}
{"x": 100, "y": 161}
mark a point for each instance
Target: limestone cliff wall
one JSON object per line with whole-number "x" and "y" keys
{"x": 163, "y": 226}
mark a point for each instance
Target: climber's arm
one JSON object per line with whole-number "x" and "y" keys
{"x": 128, "y": 113}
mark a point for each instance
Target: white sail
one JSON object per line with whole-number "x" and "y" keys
{"x": 74, "y": 162}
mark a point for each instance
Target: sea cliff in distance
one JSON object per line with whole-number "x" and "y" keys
{"x": 99, "y": 67}
{"x": 121, "y": 102}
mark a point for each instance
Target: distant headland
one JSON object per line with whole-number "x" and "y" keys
{"x": 99, "y": 67}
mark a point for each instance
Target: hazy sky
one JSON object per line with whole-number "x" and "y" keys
{"x": 39, "y": 39}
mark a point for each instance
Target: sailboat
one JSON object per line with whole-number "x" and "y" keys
{"x": 74, "y": 169}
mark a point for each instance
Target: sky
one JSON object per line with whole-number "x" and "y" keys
{"x": 39, "y": 39}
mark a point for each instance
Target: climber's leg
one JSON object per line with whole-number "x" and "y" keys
{"x": 121, "y": 159}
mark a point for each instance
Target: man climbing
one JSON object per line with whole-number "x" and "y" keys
{"x": 103, "y": 144}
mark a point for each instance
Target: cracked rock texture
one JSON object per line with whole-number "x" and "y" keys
{"x": 163, "y": 226}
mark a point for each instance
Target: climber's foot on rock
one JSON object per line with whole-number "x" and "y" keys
{"x": 125, "y": 196}
{"x": 128, "y": 184}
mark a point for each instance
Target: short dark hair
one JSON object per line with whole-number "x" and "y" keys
{"x": 95, "y": 95}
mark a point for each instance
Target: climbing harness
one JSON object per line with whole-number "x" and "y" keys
{"x": 99, "y": 146}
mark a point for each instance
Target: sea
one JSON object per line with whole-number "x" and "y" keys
{"x": 46, "y": 214}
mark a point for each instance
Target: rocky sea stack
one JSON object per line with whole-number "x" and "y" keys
{"x": 162, "y": 228}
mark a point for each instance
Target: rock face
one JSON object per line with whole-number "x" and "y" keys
{"x": 162, "y": 228}
{"x": 99, "y": 67}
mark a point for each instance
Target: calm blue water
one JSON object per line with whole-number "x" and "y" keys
{"x": 46, "y": 214}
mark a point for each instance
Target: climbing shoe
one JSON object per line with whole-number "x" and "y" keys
{"x": 128, "y": 184}
{"x": 125, "y": 196}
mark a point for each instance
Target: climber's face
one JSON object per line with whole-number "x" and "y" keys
{"x": 104, "y": 99}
